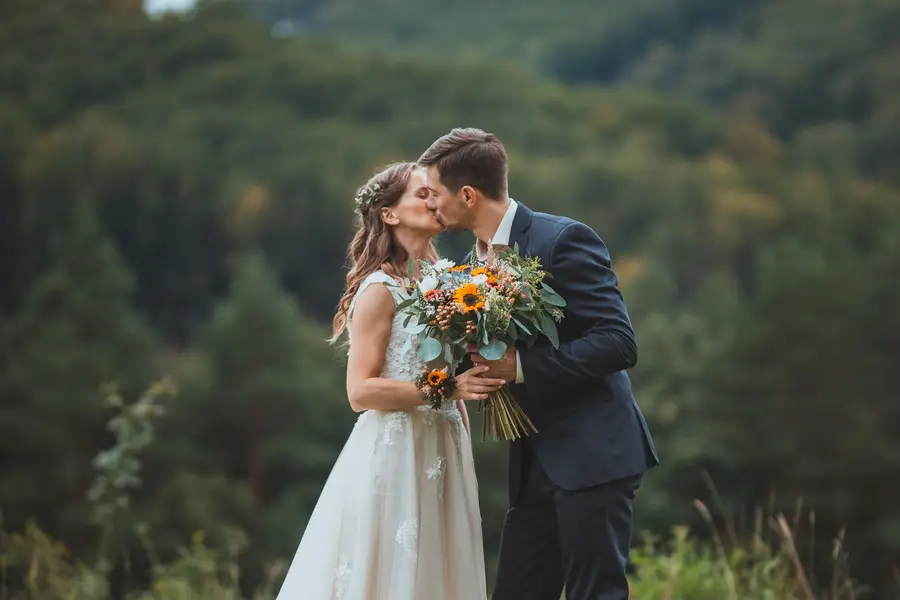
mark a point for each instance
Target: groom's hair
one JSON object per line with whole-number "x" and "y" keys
{"x": 469, "y": 157}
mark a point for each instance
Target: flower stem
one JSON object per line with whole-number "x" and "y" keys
{"x": 503, "y": 418}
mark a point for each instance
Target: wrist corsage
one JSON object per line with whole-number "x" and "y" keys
{"x": 435, "y": 386}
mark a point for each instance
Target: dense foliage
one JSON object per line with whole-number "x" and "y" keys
{"x": 821, "y": 73}
{"x": 176, "y": 197}
{"x": 37, "y": 567}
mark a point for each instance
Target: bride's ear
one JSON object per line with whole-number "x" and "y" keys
{"x": 388, "y": 216}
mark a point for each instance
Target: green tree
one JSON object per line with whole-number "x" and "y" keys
{"x": 262, "y": 419}
{"x": 804, "y": 391}
{"x": 14, "y": 133}
{"x": 75, "y": 332}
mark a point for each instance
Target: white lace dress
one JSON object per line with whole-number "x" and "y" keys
{"x": 398, "y": 518}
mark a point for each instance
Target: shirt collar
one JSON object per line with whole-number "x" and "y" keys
{"x": 504, "y": 230}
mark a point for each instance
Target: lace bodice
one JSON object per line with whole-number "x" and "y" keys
{"x": 400, "y": 360}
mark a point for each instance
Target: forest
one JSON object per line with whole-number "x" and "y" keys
{"x": 176, "y": 198}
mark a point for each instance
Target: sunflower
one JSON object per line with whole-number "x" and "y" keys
{"x": 468, "y": 296}
{"x": 436, "y": 377}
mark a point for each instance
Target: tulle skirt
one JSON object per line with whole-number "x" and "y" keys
{"x": 398, "y": 518}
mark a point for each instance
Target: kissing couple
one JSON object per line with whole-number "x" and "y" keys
{"x": 399, "y": 517}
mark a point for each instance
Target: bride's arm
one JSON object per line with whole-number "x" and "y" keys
{"x": 366, "y": 389}
{"x": 373, "y": 315}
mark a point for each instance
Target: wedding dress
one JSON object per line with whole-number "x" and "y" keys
{"x": 398, "y": 518}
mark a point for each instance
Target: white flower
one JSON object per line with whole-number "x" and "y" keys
{"x": 443, "y": 264}
{"x": 480, "y": 279}
{"x": 428, "y": 283}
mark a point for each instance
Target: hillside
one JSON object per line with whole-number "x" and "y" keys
{"x": 820, "y": 74}
{"x": 208, "y": 167}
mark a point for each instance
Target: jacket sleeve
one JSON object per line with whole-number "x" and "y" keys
{"x": 582, "y": 275}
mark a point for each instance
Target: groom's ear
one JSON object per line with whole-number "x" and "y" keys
{"x": 469, "y": 195}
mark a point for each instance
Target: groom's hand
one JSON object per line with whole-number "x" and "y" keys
{"x": 503, "y": 368}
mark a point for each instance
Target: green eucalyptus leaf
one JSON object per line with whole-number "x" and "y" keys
{"x": 549, "y": 329}
{"x": 512, "y": 331}
{"x": 522, "y": 326}
{"x": 551, "y": 297}
{"x": 494, "y": 350}
{"x": 405, "y": 304}
{"x": 429, "y": 349}
{"x": 417, "y": 328}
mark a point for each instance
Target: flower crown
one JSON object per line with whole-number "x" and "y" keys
{"x": 367, "y": 195}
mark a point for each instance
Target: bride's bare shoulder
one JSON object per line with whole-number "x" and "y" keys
{"x": 372, "y": 319}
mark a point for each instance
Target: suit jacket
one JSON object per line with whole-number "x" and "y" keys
{"x": 590, "y": 430}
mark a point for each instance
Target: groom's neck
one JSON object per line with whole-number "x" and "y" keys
{"x": 488, "y": 220}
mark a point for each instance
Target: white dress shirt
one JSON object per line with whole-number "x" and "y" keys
{"x": 501, "y": 238}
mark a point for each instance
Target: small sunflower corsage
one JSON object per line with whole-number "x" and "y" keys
{"x": 436, "y": 385}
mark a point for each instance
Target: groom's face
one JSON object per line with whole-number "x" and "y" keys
{"x": 449, "y": 207}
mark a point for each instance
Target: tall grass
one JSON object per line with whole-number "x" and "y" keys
{"x": 763, "y": 564}
{"x": 34, "y": 566}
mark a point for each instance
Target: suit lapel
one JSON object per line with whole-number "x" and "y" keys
{"x": 519, "y": 232}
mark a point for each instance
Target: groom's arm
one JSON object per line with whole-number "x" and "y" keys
{"x": 582, "y": 274}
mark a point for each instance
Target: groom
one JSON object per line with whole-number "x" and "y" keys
{"x": 572, "y": 485}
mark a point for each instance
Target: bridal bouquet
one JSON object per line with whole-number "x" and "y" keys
{"x": 491, "y": 305}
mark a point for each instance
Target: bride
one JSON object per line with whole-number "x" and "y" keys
{"x": 398, "y": 518}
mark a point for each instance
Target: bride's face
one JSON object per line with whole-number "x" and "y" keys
{"x": 411, "y": 212}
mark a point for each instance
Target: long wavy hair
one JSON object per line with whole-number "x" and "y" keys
{"x": 373, "y": 246}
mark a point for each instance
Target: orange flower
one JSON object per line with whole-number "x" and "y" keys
{"x": 459, "y": 268}
{"x": 468, "y": 297}
{"x": 436, "y": 377}
{"x": 491, "y": 278}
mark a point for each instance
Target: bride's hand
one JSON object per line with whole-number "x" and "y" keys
{"x": 469, "y": 386}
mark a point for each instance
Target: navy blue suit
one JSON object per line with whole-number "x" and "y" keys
{"x": 572, "y": 485}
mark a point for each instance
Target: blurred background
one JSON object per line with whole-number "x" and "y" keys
{"x": 176, "y": 196}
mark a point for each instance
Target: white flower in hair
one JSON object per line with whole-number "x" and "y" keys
{"x": 367, "y": 195}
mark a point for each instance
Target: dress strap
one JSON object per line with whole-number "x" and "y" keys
{"x": 381, "y": 277}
